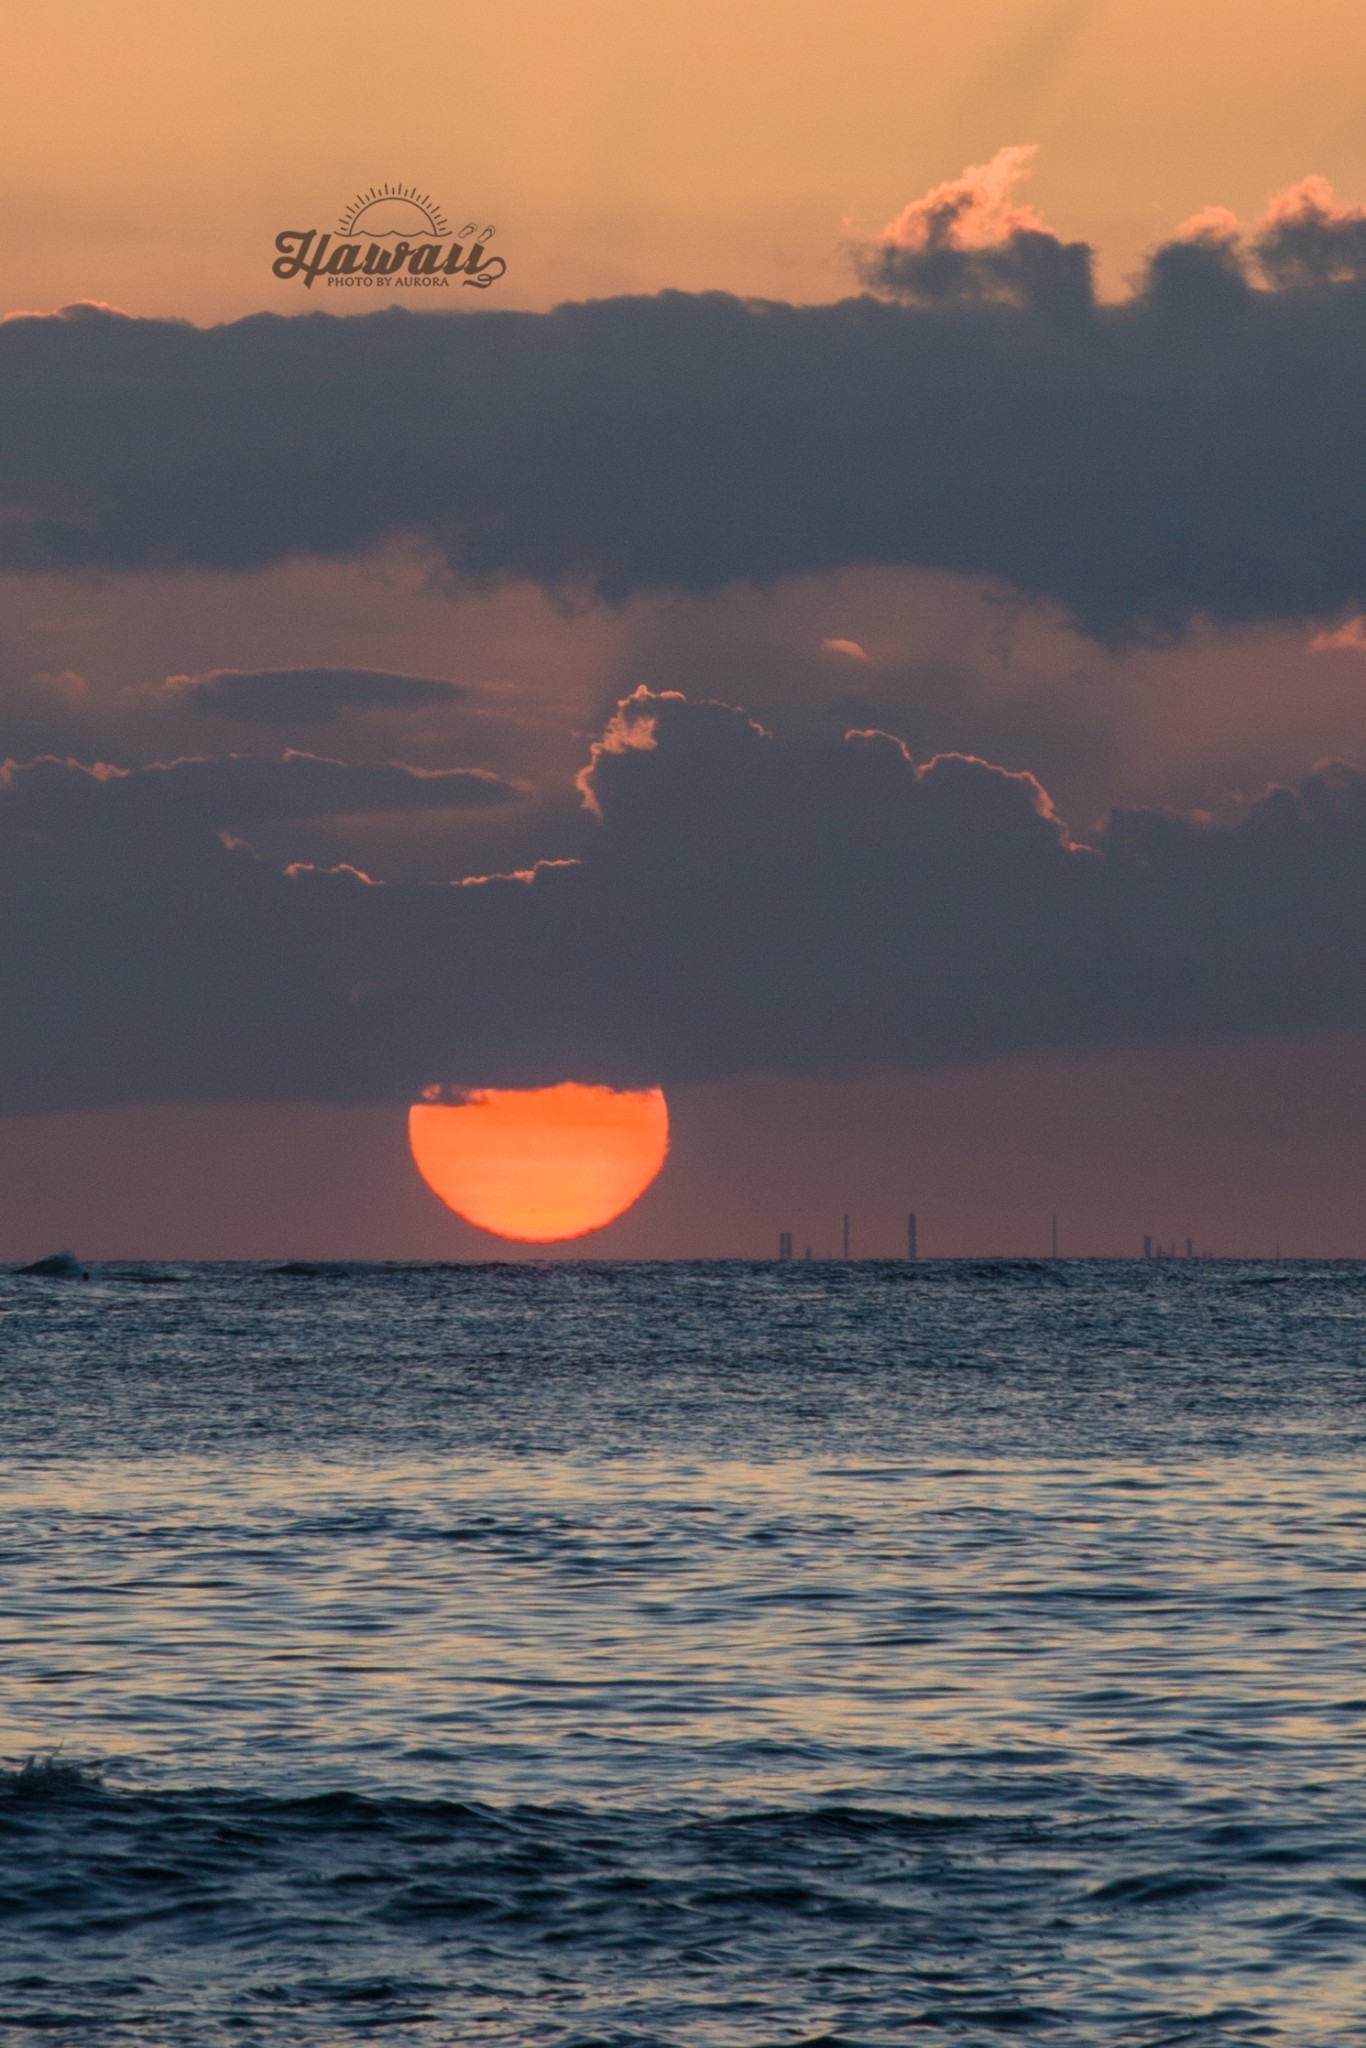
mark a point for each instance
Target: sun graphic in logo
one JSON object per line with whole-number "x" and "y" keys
{"x": 393, "y": 210}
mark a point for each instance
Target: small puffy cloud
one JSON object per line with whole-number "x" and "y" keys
{"x": 1306, "y": 238}
{"x": 975, "y": 210}
{"x": 308, "y": 696}
{"x": 847, "y": 650}
{"x": 968, "y": 239}
{"x": 1349, "y": 638}
{"x": 1210, "y": 224}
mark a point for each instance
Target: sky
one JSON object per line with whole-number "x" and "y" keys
{"x": 860, "y": 623}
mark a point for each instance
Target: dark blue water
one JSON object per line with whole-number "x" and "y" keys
{"x": 721, "y": 1654}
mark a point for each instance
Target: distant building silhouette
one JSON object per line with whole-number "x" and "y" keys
{"x": 846, "y": 1233}
{"x": 785, "y": 1244}
{"x": 911, "y": 1252}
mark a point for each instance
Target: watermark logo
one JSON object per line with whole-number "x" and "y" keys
{"x": 392, "y": 237}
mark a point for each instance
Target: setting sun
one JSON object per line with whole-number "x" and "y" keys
{"x": 540, "y": 1164}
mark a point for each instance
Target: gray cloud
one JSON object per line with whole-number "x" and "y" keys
{"x": 1308, "y": 240}
{"x": 1194, "y": 450}
{"x": 48, "y": 797}
{"x": 747, "y": 904}
{"x": 968, "y": 242}
{"x": 309, "y": 696}
{"x": 1028, "y": 269}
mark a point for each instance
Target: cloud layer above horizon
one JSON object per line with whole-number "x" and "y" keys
{"x": 1194, "y": 450}
{"x": 748, "y": 905}
{"x": 727, "y": 900}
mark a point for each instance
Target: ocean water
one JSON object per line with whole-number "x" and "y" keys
{"x": 716, "y": 1654}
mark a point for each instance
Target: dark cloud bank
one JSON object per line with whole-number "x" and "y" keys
{"x": 1197, "y": 449}
{"x": 747, "y": 903}
{"x": 309, "y": 696}
{"x": 750, "y": 904}
{"x": 45, "y": 799}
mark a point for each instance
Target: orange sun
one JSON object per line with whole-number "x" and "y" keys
{"x": 541, "y": 1163}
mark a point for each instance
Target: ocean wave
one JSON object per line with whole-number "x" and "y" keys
{"x": 212, "y": 1914}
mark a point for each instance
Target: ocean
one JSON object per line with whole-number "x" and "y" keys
{"x": 684, "y": 1656}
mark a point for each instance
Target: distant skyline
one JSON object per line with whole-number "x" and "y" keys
{"x": 1241, "y": 1147}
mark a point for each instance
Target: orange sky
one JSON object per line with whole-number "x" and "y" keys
{"x": 151, "y": 151}
{"x": 150, "y": 154}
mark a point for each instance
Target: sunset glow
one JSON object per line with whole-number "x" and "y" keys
{"x": 541, "y": 1164}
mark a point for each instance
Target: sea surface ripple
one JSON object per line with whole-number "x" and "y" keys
{"x": 686, "y": 1656}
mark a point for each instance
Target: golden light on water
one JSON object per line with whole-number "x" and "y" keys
{"x": 541, "y": 1164}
